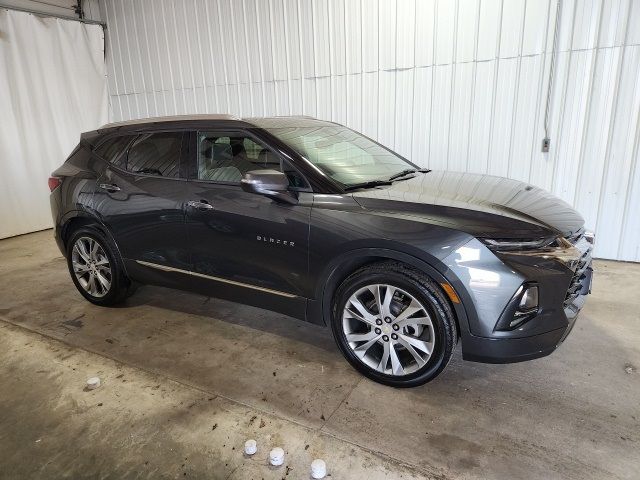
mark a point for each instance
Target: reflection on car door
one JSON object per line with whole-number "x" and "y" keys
{"x": 238, "y": 236}
{"x": 140, "y": 198}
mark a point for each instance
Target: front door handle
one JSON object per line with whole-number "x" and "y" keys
{"x": 199, "y": 205}
{"x": 109, "y": 187}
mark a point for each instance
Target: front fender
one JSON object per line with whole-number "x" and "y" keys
{"x": 319, "y": 309}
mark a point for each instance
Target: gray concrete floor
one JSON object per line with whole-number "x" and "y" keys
{"x": 186, "y": 379}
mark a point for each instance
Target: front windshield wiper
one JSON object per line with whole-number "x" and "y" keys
{"x": 369, "y": 184}
{"x": 378, "y": 183}
{"x": 407, "y": 172}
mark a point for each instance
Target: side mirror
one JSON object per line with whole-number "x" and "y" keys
{"x": 270, "y": 183}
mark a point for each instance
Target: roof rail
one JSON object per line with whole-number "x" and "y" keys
{"x": 174, "y": 118}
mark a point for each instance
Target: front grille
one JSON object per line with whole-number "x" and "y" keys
{"x": 578, "y": 276}
{"x": 576, "y": 237}
{"x": 581, "y": 279}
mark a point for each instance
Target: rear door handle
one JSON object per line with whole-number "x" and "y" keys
{"x": 200, "y": 205}
{"x": 109, "y": 187}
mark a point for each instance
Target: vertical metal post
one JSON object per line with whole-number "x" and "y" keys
{"x": 78, "y": 10}
{"x": 546, "y": 142}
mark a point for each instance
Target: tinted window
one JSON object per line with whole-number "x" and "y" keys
{"x": 295, "y": 179}
{"x": 226, "y": 157}
{"x": 156, "y": 154}
{"x": 113, "y": 149}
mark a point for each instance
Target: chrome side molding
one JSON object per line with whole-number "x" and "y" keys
{"x": 166, "y": 268}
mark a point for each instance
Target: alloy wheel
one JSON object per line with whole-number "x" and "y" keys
{"x": 91, "y": 266}
{"x": 388, "y": 329}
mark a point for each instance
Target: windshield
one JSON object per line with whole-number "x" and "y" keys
{"x": 344, "y": 155}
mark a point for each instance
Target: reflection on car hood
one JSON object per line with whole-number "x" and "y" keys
{"x": 478, "y": 204}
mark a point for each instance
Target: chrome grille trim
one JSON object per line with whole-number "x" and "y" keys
{"x": 579, "y": 268}
{"x": 576, "y": 237}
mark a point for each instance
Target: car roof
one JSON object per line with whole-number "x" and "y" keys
{"x": 172, "y": 118}
{"x": 260, "y": 122}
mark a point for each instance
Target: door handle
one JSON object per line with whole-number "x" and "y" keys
{"x": 109, "y": 187}
{"x": 199, "y": 205}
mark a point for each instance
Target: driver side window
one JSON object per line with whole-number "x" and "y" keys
{"x": 226, "y": 157}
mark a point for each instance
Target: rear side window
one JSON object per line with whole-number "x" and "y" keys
{"x": 156, "y": 154}
{"x": 113, "y": 150}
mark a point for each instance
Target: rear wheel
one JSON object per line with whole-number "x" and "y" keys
{"x": 96, "y": 268}
{"x": 394, "y": 325}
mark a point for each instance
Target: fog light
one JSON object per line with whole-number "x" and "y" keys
{"x": 529, "y": 299}
{"x": 527, "y": 307}
{"x": 523, "y": 306}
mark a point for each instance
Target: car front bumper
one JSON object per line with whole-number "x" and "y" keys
{"x": 489, "y": 282}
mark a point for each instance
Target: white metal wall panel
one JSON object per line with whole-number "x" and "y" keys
{"x": 455, "y": 84}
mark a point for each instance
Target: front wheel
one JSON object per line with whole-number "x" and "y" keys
{"x": 394, "y": 325}
{"x": 96, "y": 268}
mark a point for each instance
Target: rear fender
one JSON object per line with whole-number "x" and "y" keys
{"x": 77, "y": 219}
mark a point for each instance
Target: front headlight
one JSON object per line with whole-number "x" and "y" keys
{"x": 517, "y": 244}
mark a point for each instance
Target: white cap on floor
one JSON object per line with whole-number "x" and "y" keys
{"x": 276, "y": 456}
{"x": 318, "y": 468}
{"x": 93, "y": 383}
{"x": 250, "y": 447}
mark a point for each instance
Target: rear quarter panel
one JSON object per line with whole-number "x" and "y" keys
{"x": 74, "y": 197}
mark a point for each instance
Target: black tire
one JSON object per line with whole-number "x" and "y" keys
{"x": 121, "y": 286}
{"x": 423, "y": 289}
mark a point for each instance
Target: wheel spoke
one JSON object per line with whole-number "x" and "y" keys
{"x": 365, "y": 316}
{"x": 360, "y": 337}
{"x": 361, "y": 350}
{"x": 79, "y": 248}
{"x": 83, "y": 282}
{"x": 91, "y": 285}
{"x": 419, "y": 344}
{"x": 93, "y": 249}
{"x": 85, "y": 247}
{"x": 375, "y": 290}
{"x": 349, "y": 313}
{"x": 417, "y": 357}
{"x": 103, "y": 281}
{"x": 80, "y": 268}
{"x": 414, "y": 321}
{"x": 386, "y": 303}
{"x": 384, "y": 361}
{"x": 396, "y": 366}
{"x": 413, "y": 308}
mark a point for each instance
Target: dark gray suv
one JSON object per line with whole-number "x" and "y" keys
{"x": 316, "y": 221}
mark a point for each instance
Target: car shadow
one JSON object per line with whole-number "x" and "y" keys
{"x": 234, "y": 313}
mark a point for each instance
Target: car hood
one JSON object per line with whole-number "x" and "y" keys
{"x": 482, "y": 205}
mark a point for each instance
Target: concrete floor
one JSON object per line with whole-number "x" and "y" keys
{"x": 186, "y": 379}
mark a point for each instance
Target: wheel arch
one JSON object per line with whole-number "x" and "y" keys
{"x": 319, "y": 310}
{"x": 75, "y": 220}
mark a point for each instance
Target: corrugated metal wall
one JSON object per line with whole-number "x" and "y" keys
{"x": 451, "y": 84}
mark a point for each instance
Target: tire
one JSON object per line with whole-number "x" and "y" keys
{"x": 402, "y": 334}
{"x": 106, "y": 255}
